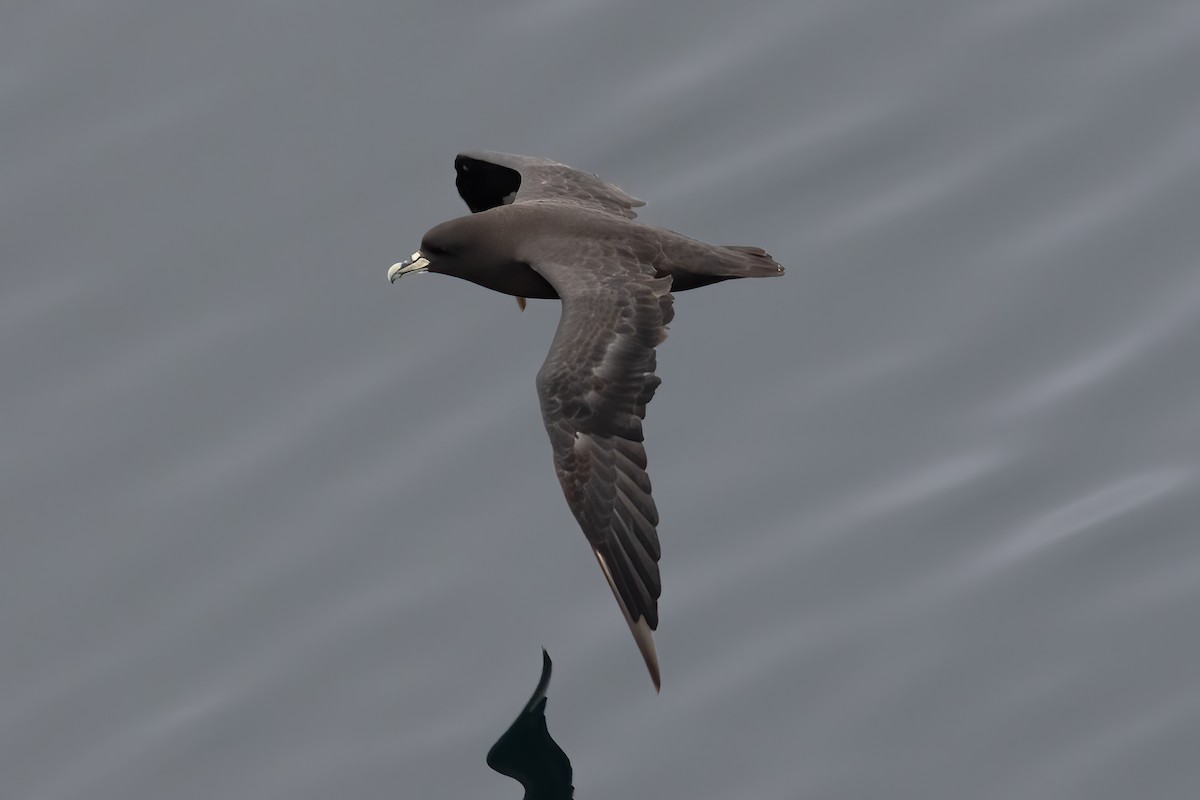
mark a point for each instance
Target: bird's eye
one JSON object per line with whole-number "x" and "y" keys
{"x": 434, "y": 251}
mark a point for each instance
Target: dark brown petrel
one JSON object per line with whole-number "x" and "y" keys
{"x": 543, "y": 229}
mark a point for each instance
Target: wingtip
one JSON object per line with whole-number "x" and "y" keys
{"x": 642, "y": 633}
{"x": 645, "y": 642}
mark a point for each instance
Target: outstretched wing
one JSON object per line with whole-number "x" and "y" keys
{"x": 486, "y": 180}
{"x": 594, "y": 387}
{"x": 528, "y": 753}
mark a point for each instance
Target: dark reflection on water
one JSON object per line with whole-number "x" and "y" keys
{"x": 527, "y": 752}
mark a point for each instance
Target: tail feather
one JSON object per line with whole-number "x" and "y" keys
{"x": 755, "y": 262}
{"x": 699, "y": 264}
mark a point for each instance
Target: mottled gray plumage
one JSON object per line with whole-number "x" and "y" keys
{"x": 543, "y": 229}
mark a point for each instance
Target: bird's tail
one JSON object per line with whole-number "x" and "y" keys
{"x": 754, "y": 262}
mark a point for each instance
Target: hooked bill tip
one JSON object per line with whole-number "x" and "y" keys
{"x": 418, "y": 263}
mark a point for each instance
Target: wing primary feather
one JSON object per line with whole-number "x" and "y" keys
{"x": 593, "y": 388}
{"x": 642, "y": 634}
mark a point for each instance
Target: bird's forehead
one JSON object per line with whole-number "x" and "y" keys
{"x": 450, "y": 230}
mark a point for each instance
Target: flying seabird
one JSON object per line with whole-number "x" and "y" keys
{"x": 542, "y": 229}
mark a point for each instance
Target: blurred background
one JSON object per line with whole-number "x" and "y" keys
{"x": 271, "y": 528}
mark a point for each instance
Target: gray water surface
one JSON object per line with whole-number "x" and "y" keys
{"x": 274, "y": 529}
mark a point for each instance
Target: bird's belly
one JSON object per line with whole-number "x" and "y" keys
{"x": 517, "y": 279}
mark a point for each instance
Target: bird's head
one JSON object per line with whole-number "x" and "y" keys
{"x": 455, "y": 247}
{"x": 472, "y": 249}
